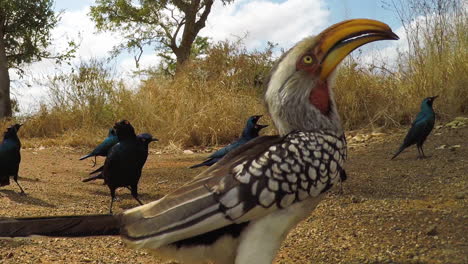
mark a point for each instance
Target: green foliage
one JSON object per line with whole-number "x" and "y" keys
{"x": 139, "y": 24}
{"x": 169, "y": 64}
{"x": 170, "y": 25}
{"x": 26, "y": 26}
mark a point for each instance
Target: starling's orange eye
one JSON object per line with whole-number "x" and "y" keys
{"x": 307, "y": 59}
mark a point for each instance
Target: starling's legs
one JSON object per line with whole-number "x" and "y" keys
{"x": 341, "y": 191}
{"x": 94, "y": 161}
{"x": 422, "y": 151}
{"x": 16, "y": 180}
{"x": 419, "y": 152}
{"x": 138, "y": 200}
{"x": 112, "y": 190}
{"x": 343, "y": 177}
{"x": 134, "y": 191}
{"x": 22, "y": 191}
{"x": 112, "y": 202}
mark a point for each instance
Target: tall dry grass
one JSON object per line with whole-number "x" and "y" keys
{"x": 208, "y": 102}
{"x": 435, "y": 63}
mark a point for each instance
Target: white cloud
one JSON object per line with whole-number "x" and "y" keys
{"x": 74, "y": 25}
{"x": 386, "y": 53}
{"x": 127, "y": 65}
{"x": 284, "y": 23}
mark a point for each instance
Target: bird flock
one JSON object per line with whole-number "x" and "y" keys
{"x": 126, "y": 154}
{"x": 256, "y": 189}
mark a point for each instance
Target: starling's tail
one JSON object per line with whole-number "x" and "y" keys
{"x": 86, "y": 156}
{"x": 398, "y": 152}
{"x": 61, "y": 226}
{"x": 197, "y": 165}
{"x": 99, "y": 176}
{"x": 97, "y": 170}
{"x": 208, "y": 162}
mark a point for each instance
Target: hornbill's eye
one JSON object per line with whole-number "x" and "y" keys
{"x": 307, "y": 59}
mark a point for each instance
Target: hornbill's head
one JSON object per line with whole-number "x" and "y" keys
{"x": 298, "y": 92}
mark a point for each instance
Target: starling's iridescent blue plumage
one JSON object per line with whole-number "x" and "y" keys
{"x": 421, "y": 128}
{"x": 103, "y": 148}
{"x": 10, "y": 156}
{"x": 125, "y": 160}
{"x": 251, "y": 131}
{"x": 144, "y": 139}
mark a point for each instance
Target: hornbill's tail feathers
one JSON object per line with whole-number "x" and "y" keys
{"x": 61, "y": 226}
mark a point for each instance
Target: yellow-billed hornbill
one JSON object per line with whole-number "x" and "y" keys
{"x": 241, "y": 209}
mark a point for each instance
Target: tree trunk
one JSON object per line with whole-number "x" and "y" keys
{"x": 191, "y": 29}
{"x": 183, "y": 54}
{"x": 188, "y": 37}
{"x": 5, "y": 102}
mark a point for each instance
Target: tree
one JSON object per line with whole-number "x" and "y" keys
{"x": 166, "y": 24}
{"x": 25, "y": 27}
{"x": 168, "y": 64}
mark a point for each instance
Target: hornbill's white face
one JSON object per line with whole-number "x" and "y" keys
{"x": 298, "y": 94}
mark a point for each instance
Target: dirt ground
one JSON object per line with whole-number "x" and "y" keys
{"x": 401, "y": 211}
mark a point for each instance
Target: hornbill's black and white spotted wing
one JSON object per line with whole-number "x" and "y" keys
{"x": 264, "y": 175}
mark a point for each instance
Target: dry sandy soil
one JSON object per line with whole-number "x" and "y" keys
{"x": 401, "y": 211}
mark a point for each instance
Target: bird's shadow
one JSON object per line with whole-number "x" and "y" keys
{"x": 25, "y": 199}
{"x": 20, "y": 179}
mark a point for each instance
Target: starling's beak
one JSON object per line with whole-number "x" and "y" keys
{"x": 257, "y": 117}
{"x": 337, "y": 41}
{"x": 154, "y": 139}
{"x": 434, "y": 97}
{"x": 257, "y": 126}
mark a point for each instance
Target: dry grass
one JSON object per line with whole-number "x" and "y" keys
{"x": 209, "y": 101}
{"x": 207, "y": 104}
{"x": 377, "y": 96}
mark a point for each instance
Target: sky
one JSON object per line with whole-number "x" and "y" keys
{"x": 280, "y": 21}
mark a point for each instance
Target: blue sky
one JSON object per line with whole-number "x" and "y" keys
{"x": 281, "y": 21}
{"x": 339, "y": 9}
{"x": 346, "y": 9}
{"x": 324, "y": 13}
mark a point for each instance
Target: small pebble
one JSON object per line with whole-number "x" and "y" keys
{"x": 460, "y": 195}
{"x": 432, "y": 230}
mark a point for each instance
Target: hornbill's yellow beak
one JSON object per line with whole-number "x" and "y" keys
{"x": 337, "y": 41}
